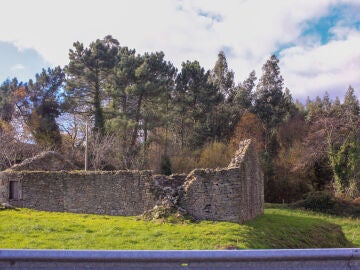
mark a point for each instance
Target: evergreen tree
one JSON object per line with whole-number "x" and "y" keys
{"x": 222, "y": 77}
{"x": 87, "y": 74}
{"x": 43, "y": 107}
{"x": 351, "y": 103}
{"x": 270, "y": 104}
{"x": 7, "y": 99}
{"x": 272, "y": 107}
{"x": 140, "y": 89}
{"x": 326, "y": 104}
{"x": 194, "y": 99}
{"x": 244, "y": 94}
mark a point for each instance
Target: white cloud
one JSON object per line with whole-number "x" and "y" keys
{"x": 17, "y": 67}
{"x": 332, "y": 67}
{"x": 252, "y": 29}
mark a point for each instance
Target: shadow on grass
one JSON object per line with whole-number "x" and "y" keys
{"x": 9, "y": 209}
{"x": 289, "y": 231}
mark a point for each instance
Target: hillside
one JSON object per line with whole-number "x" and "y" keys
{"x": 278, "y": 228}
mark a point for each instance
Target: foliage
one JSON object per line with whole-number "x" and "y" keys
{"x": 7, "y": 99}
{"x": 184, "y": 161}
{"x": 39, "y": 105}
{"x": 87, "y": 75}
{"x": 194, "y": 98}
{"x": 249, "y": 126}
{"x": 320, "y": 201}
{"x": 346, "y": 168}
{"x": 271, "y": 105}
{"x": 214, "y": 155}
{"x": 325, "y": 202}
{"x": 222, "y": 77}
{"x": 244, "y": 96}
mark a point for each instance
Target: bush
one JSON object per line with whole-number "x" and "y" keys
{"x": 319, "y": 201}
{"x": 184, "y": 162}
{"x": 214, "y": 155}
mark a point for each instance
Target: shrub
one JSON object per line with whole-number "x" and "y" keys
{"x": 214, "y": 155}
{"x": 184, "y": 162}
{"x": 319, "y": 201}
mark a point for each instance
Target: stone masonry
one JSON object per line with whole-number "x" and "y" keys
{"x": 233, "y": 194}
{"x": 230, "y": 194}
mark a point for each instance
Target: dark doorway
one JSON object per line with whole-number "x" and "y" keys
{"x": 14, "y": 190}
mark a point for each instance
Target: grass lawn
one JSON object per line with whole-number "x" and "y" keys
{"x": 278, "y": 228}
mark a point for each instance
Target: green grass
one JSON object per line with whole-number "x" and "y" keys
{"x": 278, "y": 228}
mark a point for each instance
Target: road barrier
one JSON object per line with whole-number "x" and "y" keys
{"x": 199, "y": 259}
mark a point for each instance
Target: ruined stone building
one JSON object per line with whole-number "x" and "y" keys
{"x": 46, "y": 182}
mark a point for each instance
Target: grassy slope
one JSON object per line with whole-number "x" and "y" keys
{"x": 278, "y": 228}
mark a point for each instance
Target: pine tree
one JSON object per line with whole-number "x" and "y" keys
{"x": 140, "y": 90}
{"x": 222, "y": 77}
{"x": 272, "y": 107}
{"x": 194, "y": 100}
{"x": 326, "y": 104}
{"x": 7, "y": 99}
{"x": 351, "y": 103}
{"x": 270, "y": 103}
{"x": 43, "y": 107}
{"x": 87, "y": 74}
{"x": 244, "y": 94}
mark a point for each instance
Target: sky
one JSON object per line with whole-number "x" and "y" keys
{"x": 316, "y": 41}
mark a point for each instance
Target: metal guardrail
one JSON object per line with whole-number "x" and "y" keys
{"x": 224, "y": 259}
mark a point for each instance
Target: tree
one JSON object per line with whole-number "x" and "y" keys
{"x": 326, "y": 104}
{"x": 194, "y": 99}
{"x": 38, "y": 103}
{"x": 87, "y": 74}
{"x": 121, "y": 88}
{"x": 244, "y": 94}
{"x": 333, "y": 141}
{"x": 248, "y": 127}
{"x": 102, "y": 151}
{"x": 272, "y": 107}
{"x": 8, "y": 99}
{"x": 336, "y": 108}
{"x": 214, "y": 155}
{"x": 314, "y": 108}
{"x": 140, "y": 90}
{"x": 222, "y": 77}
{"x": 351, "y": 103}
{"x": 270, "y": 103}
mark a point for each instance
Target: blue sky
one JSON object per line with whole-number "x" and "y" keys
{"x": 317, "y": 41}
{"x": 20, "y": 63}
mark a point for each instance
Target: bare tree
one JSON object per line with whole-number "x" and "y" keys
{"x": 103, "y": 151}
{"x": 13, "y": 150}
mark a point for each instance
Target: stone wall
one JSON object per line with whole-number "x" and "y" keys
{"x": 114, "y": 193}
{"x": 235, "y": 193}
{"x": 232, "y": 194}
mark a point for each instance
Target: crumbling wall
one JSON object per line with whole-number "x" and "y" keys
{"x": 235, "y": 193}
{"x": 232, "y": 194}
